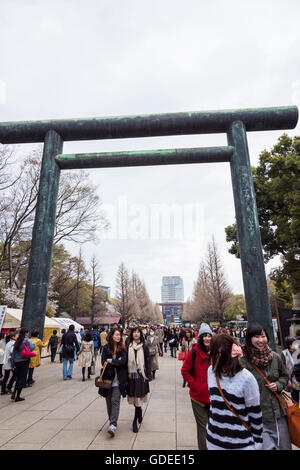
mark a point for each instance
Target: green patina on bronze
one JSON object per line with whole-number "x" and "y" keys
{"x": 235, "y": 123}
{"x": 145, "y": 157}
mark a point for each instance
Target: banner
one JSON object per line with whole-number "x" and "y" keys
{"x": 2, "y": 314}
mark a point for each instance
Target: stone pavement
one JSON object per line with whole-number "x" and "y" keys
{"x": 63, "y": 415}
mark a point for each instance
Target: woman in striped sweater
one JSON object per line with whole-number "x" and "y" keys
{"x": 235, "y": 418}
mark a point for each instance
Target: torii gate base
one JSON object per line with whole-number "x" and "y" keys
{"x": 236, "y": 123}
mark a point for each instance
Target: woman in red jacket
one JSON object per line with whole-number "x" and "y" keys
{"x": 194, "y": 372}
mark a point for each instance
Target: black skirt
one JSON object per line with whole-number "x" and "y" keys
{"x": 138, "y": 387}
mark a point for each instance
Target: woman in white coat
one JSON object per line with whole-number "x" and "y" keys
{"x": 86, "y": 355}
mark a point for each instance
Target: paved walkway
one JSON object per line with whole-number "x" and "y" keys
{"x": 59, "y": 415}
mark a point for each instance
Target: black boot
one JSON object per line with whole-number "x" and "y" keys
{"x": 184, "y": 384}
{"x": 139, "y": 414}
{"x": 134, "y": 424}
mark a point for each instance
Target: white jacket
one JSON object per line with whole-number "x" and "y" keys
{"x": 8, "y": 353}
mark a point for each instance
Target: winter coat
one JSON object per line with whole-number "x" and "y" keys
{"x": 120, "y": 365}
{"x": 36, "y": 360}
{"x": 139, "y": 387}
{"x": 275, "y": 372}
{"x": 103, "y": 336}
{"x": 69, "y": 342}
{"x": 8, "y": 354}
{"x": 86, "y": 354}
{"x": 2, "y": 350}
{"x": 160, "y": 334}
{"x": 172, "y": 338}
{"x": 187, "y": 345}
{"x": 196, "y": 379}
{"x": 16, "y": 355}
{"x": 153, "y": 346}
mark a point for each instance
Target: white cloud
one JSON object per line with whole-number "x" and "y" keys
{"x": 68, "y": 58}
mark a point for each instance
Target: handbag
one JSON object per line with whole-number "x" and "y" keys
{"x": 103, "y": 383}
{"x": 181, "y": 356}
{"x": 231, "y": 408}
{"x": 25, "y": 352}
{"x": 93, "y": 369}
{"x": 292, "y": 412}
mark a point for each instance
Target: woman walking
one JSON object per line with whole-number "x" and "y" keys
{"x": 139, "y": 374}
{"x": 173, "y": 342}
{"x": 235, "y": 418}
{"x": 152, "y": 342}
{"x": 36, "y": 360}
{"x": 187, "y": 342}
{"x": 2, "y": 350}
{"x": 194, "y": 372}
{"x": 288, "y": 361}
{"x": 114, "y": 356}
{"x": 260, "y": 359}
{"x": 8, "y": 366}
{"x": 20, "y": 363}
{"x": 86, "y": 355}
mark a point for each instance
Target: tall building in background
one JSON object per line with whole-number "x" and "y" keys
{"x": 172, "y": 299}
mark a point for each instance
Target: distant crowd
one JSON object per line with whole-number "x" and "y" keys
{"x": 237, "y": 383}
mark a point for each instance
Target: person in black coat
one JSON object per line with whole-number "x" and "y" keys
{"x": 69, "y": 343}
{"x": 114, "y": 355}
{"x": 173, "y": 342}
{"x": 139, "y": 373}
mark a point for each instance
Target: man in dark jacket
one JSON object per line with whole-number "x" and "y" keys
{"x": 52, "y": 345}
{"x": 69, "y": 342}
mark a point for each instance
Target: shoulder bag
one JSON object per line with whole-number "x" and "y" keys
{"x": 25, "y": 352}
{"x": 103, "y": 383}
{"x": 292, "y": 412}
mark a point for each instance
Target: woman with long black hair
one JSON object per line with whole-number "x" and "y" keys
{"x": 260, "y": 359}
{"x": 20, "y": 364}
{"x": 114, "y": 355}
{"x": 139, "y": 374}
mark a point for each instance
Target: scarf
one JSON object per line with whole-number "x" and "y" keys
{"x": 136, "y": 363}
{"x": 261, "y": 358}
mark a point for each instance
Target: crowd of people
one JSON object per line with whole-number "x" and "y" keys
{"x": 234, "y": 389}
{"x": 233, "y": 381}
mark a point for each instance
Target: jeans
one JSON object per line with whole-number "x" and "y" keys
{"x": 53, "y": 354}
{"x": 173, "y": 350}
{"x": 95, "y": 354}
{"x": 5, "y": 379}
{"x": 113, "y": 405}
{"x": 67, "y": 371}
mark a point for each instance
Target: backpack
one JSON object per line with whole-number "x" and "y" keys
{"x": 53, "y": 341}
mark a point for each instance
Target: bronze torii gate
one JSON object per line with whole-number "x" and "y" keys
{"x": 236, "y": 123}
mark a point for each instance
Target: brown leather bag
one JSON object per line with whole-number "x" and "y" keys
{"x": 292, "y": 412}
{"x": 103, "y": 383}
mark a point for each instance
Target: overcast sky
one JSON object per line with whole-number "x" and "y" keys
{"x": 68, "y": 59}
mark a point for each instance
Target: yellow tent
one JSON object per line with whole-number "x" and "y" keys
{"x": 13, "y": 317}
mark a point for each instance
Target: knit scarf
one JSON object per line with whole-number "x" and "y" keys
{"x": 136, "y": 362}
{"x": 261, "y": 358}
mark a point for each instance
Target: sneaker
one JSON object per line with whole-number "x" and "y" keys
{"x": 69, "y": 376}
{"x": 111, "y": 430}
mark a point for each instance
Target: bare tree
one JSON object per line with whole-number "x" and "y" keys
{"x": 211, "y": 295}
{"x": 78, "y": 218}
{"x": 98, "y": 295}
